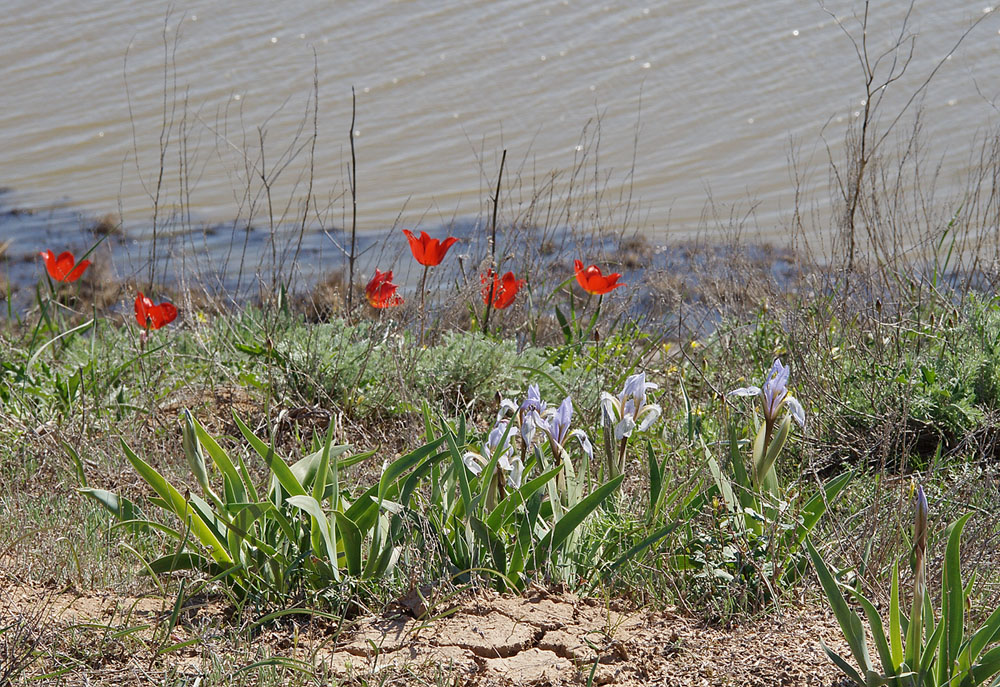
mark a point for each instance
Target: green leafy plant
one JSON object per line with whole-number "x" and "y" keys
{"x": 757, "y": 527}
{"x": 269, "y": 540}
{"x": 760, "y": 533}
{"x": 919, "y": 650}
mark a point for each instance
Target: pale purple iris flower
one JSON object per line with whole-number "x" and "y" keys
{"x": 557, "y": 427}
{"x": 629, "y": 411}
{"x": 498, "y": 440}
{"x": 530, "y": 414}
{"x": 774, "y": 394}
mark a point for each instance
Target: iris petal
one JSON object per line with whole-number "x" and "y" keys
{"x": 745, "y": 391}
{"x": 796, "y": 409}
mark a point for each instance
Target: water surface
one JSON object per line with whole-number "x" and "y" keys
{"x": 682, "y": 111}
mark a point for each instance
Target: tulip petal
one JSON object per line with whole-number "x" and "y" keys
{"x": 416, "y": 247}
{"x": 64, "y": 263}
{"x": 78, "y": 271}
{"x": 167, "y": 313}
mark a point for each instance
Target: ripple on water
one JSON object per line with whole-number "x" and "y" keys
{"x": 492, "y": 80}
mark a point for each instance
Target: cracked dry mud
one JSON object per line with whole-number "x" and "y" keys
{"x": 544, "y": 639}
{"x": 487, "y": 640}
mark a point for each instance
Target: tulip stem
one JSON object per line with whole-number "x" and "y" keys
{"x": 423, "y": 293}
{"x": 592, "y": 329}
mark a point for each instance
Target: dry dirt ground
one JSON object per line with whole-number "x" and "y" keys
{"x": 485, "y": 639}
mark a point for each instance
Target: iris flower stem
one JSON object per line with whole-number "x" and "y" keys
{"x": 768, "y": 431}
{"x": 423, "y": 293}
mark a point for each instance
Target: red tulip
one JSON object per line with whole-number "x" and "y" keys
{"x": 65, "y": 267}
{"x": 381, "y": 292}
{"x": 504, "y": 289}
{"x": 153, "y": 316}
{"x": 428, "y": 251}
{"x": 593, "y": 281}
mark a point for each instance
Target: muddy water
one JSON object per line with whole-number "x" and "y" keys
{"x": 685, "y": 109}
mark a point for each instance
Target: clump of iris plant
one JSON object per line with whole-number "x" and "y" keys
{"x": 534, "y": 414}
{"x": 624, "y": 414}
{"x": 928, "y": 649}
{"x": 772, "y": 433}
{"x": 497, "y": 444}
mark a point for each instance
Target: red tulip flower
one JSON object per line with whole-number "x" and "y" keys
{"x": 151, "y": 316}
{"x": 427, "y": 251}
{"x": 65, "y": 267}
{"x": 592, "y": 281}
{"x": 381, "y": 292}
{"x": 504, "y": 289}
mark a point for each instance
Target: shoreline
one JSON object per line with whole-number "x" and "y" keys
{"x": 316, "y": 283}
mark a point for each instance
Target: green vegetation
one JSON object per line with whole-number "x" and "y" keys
{"x": 539, "y": 427}
{"x": 279, "y": 465}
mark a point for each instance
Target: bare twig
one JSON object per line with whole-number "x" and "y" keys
{"x": 493, "y": 247}
{"x": 353, "y": 178}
